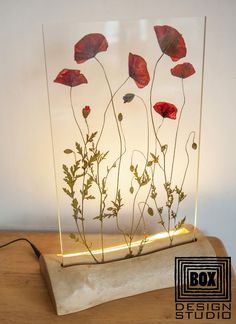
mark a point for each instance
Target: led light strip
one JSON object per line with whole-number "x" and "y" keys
{"x": 149, "y": 240}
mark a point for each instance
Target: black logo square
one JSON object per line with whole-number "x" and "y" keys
{"x": 199, "y": 279}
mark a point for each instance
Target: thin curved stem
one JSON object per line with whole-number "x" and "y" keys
{"x": 152, "y": 183}
{"x": 124, "y": 140}
{"x": 150, "y": 98}
{"x": 73, "y": 112}
{"x": 86, "y": 122}
{"x": 141, "y": 217}
{"x": 186, "y": 150}
{"x": 82, "y": 235}
{"x": 117, "y": 220}
{"x": 177, "y": 130}
{"x": 148, "y": 130}
{"x": 145, "y": 166}
{"x": 108, "y": 105}
{"x": 117, "y": 124}
{"x": 163, "y": 151}
{"x": 140, "y": 152}
{"x": 125, "y": 149}
{"x": 185, "y": 172}
{"x": 85, "y": 243}
{"x": 152, "y": 119}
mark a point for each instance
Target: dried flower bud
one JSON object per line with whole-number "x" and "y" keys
{"x": 68, "y": 151}
{"x": 86, "y": 111}
{"x": 128, "y": 97}
{"x": 150, "y": 211}
{"x": 120, "y": 117}
{"x": 164, "y": 147}
{"x": 194, "y": 146}
{"x": 131, "y": 189}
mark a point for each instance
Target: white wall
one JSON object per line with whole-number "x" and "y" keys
{"x": 27, "y": 187}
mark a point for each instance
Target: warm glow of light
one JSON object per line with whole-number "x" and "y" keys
{"x": 149, "y": 240}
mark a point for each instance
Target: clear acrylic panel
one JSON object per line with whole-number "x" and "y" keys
{"x": 125, "y": 109}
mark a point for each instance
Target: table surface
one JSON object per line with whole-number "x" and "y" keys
{"x": 24, "y": 297}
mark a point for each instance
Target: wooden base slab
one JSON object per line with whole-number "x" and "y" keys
{"x": 79, "y": 287}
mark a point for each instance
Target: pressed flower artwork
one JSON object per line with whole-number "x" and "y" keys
{"x": 125, "y": 104}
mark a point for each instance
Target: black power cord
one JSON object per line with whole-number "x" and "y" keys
{"x": 35, "y": 249}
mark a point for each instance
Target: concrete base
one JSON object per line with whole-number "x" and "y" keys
{"x": 78, "y": 287}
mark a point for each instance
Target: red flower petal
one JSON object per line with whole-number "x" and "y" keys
{"x": 166, "y": 109}
{"x": 183, "y": 70}
{"x": 89, "y": 46}
{"x": 171, "y": 42}
{"x": 138, "y": 70}
{"x": 87, "y": 108}
{"x": 71, "y": 78}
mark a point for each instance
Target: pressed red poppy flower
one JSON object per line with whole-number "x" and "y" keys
{"x": 71, "y": 78}
{"x": 89, "y": 46}
{"x": 166, "y": 109}
{"x": 183, "y": 70}
{"x": 86, "y": 111}
{"x": 171, "y": 42}
{"x": 138, "y": 70}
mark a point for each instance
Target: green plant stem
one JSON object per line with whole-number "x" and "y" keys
{"x": 153, "y": 174}
{"x": 141, "y": 217}
{"x": 86, "y": 122}
{"x": 119, "y": 132}
{"x": 148, "y": 130}
{"x": 153, "y": 124}
{"x": 85, "y": 243}
{"x": 185, "y": 172}
{"x": 177, "y": 130}
{"x": 186, "y": 150}
{"x": 82, "y": 235}
{"x": 150, "y": 99}
{"x": 145, "y": 167}
{"x": 117, "y": 124}
{"x": 73, "y": 112}
{"x": 101, "y": 211}
{"x": 82, "y": 209}
{"x": 117, "y": 219}
{"x": 106, "y": 110}
{"x": 151, "y": 114}
{"x": 102, "y": 239}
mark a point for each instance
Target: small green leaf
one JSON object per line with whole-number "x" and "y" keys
{"x": 91, "y": 137}
{"x": 180, "y": 223}
{"x": 150, "y": 211}
{"x": 120, "y": 117}
{"x": 89, "y": 197}
{"x": 68, "y": 151}
{"x": 155, "y": 158}
{"x": 149, "y": 163}
{"x": 79, "y": 148}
